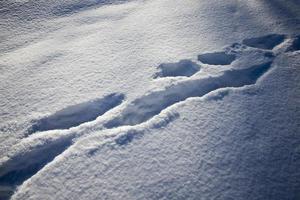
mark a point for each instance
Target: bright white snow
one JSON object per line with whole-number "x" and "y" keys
{"x": 150, "y": 99}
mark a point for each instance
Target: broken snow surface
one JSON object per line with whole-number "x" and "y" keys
{"x": 150, "y": 99}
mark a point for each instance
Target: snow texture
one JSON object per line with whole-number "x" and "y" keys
{"x": 85, "y": 116}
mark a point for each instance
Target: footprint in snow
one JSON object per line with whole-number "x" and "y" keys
{"x": 265, "y": 42}
{"x": 217, "y": 58}
{"x": 295, "y": 46}
{"x": 19, "y": 168}
{"x": 181, "y": 68}
{"x": 77, "y": 114}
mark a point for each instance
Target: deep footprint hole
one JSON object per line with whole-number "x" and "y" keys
{"x": 217, "y": 58}
{"x": 77, "y": 114}
{"x": 295, "y": 45}
{"x": 265, "y": 42}
{"x": 15, "y": 177}
{"x": 181, "y": 68}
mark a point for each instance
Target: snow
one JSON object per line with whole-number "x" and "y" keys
{"x": 217, "y": 58}
{"x": 149, "y": 99}
{"x": 265, "y": 42}
{"x": 77, "y": 114}
{"x": 181, "y": 68}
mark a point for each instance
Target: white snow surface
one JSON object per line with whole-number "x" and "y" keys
{"x": 150, "y": 99}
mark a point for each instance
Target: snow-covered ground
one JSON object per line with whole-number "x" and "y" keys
{"x": 150, "y": 99}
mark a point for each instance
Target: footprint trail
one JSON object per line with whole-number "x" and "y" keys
{"x": 47, "y": 140}
{"x": 24, "y": 163}
{"x": 148, "y": 106}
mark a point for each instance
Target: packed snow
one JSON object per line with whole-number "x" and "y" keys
{"x": 150, "y": 99}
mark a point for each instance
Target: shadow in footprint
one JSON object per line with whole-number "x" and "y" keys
{"x": 217, "y": 58}
{"x": 181, "y": 68}
{"x": 22, "y": 166}
{"x": 265, "y": 42}
{"x": 148, "y": 106}
{"x": 295, "y": 45}
{"x": 16, "y": 171}
{"x": 77, "y": 114}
